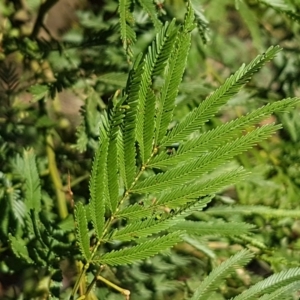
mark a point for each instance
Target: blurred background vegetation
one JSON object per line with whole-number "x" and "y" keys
{"x": 60, "y": 63}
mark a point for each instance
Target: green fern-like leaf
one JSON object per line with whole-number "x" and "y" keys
{"x": 187, "y": 205}
{"x": 216, "y": 137}
{"x": 193, "y": 206}
{"x": 82, "y": 234}
{"x": 283, "y": 7}
{"x": 282, "y": 293}
{"x": 210, "y": 105}
{"x": 270, "y": 284}
{"x": 174, "y": 197}
{"x": 215, "y": 228}
{"x": 250, "y": 19}
{"x": 141, "y": 229}
{"x": 173, "y": 77}
{"x": 130, "y": 121}
{"x": 202, "y": 23}
{"x": 114, "y": 78}
{"x": 135, "y": 211}
{"x": 128, "y": 35}
{"x": 98, "y": 187}
{"x": 247, "y": 210}
{"x": 217, "y": 276}
{"x": 153, "y": 64}
{"x": 205, "y": 163}
{"x": 116, "y": 120}
{"x": 146, "y": 140}
{"x": 150, "y": 9}
{"x": 139, "y": 252}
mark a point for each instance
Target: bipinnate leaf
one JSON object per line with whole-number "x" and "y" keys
{"x": 82, "y": 233}
{"x": 218, "y": 275}
{"x": 19, "y": 248}
{"x": 208, "y": 108}
{"x": 213, "y": 228}
{"x": 140, "y": 251}
{"x": 270, "y": 284}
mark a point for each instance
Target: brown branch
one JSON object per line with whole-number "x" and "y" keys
{"x": 44, "y": 8}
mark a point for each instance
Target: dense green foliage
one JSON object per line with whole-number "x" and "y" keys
{"x": 174, "y": 182}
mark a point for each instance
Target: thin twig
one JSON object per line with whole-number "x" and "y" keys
{"x": 44, "y": 8}
{"x": 124, "y": 292}
{"x": 55, "y": 176}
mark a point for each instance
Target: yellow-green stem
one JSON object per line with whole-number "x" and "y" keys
{"x": 114, "y": 286}
{"x": 55, "y": 177}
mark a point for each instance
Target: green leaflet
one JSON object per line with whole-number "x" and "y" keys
{"x": 173, "y": 76}
{"x": 282, "y": 6}
{"x": 82, "y": 233}
{"x": 26, "y": 167}
{"x": 150, "y": 9}
{"x": 213, "y": 228}
{"x": 121, "y": 156}
{"x": 135, "y": 211}
{"x": 184, "y": 207}
{"x": 212, "y": 103}
{"x": 130, "y": 121}
{"x": 190, "y": 207}
{"x": 218, "y": 275}
{"x": 97, "y": 188}
{"x": 143, "y": 228}
{"x": 249, "y": 18}
{"x": 112, "y": 167}
{"x": 260, "y": 210}
{"x": 174, "y": 196}
{"x": 141, "y": 251}
{"x": 220, "y": 135}
{"x": 39, "y": 91}
{"x": 282, "y": 293}
{"x": 128, "y": 35}
{"x": 270, "y": 284}
{"x": 19, "y": 248}
{"x": 153, "y": 64}
{"x": 202, "y": 22}
{"x": 114, "y": 78}
{"x": 196, "y": 167}
{"x": 146, "y": 142}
